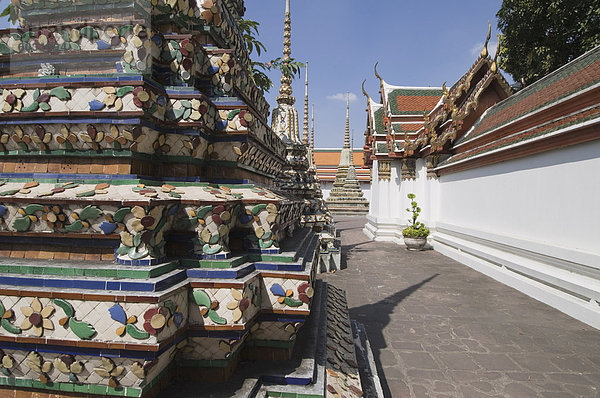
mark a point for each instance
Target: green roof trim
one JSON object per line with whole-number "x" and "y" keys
{"x": 381, "y": 147}
{"x": 379, "y": 127}
{"x": 417, "y": 92}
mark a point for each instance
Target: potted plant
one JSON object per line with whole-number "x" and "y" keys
{"x": 415, "y": 235}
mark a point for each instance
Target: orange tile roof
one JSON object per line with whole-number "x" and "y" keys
{"x": 579, "y": 74}
{"x": 408, "y": 104}
{"x": 332, "y": 158}
{"x": 408, "y": 127}
{"x": 327, "y": 162}
{"x": 412, "y": 101}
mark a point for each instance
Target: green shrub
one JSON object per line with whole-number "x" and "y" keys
{"x": 416, "y": 229}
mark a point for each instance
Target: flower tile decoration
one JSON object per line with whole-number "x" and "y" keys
{"x": 37, "y": 317}
{"x": 118, "y": 314}
{"x": 127, "y": 203}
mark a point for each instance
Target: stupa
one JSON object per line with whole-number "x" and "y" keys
{"x": 144, "y": 239}
{"x": 297, "y": 178}
{"x": 346, "y": 196}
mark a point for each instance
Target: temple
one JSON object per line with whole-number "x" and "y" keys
{"x": 148, "y": 234}
{"x": 346, "y": 196}
{"x": 494, "y": 171}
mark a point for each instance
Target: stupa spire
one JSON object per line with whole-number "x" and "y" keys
{"x": 285, "y": 91}
{"x": 312, "y": 129}
{"x": 312, "y": 138}
{"x": 346, "y": 196}
{"x": 305, "y": 122}
{"x": 347, "y": 133}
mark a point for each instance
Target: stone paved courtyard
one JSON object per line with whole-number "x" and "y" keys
{"x": 440, "y": 329}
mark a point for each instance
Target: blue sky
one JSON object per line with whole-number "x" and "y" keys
{"x": 417, "y": 43}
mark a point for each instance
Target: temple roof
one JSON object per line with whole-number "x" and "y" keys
{"x": 411, "y": 100}
{"x": 377, "y": 117}
{"x": 406, "y": 127}
{"x": 563, "y": 108}
{"x": 573, "y": 77}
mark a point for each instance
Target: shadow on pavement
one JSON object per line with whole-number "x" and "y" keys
{"x": 376, "y": 317}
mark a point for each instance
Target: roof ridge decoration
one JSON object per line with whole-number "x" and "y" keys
{"x": 567, "y": 71}
{"x": 462, "y": 99}
{"x": 365, "y": 93}
{"x": 484, "y": 51}
{"x": 381, "y": 83}
{"x": 384, "y": 101}
{"x": 494, "y": 66}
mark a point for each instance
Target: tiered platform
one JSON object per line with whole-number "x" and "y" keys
{"x": 323, "y": 364}
{"x": 143, "y": 236}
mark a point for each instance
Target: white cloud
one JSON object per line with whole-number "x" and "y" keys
{"x": 342, "y": 97}
{"x": 492, "y": 45}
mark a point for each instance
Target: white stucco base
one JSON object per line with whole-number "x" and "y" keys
{"x": 539, "y": 271}
{"x": 384, "y": 230}
{"x": 532, "y": 223}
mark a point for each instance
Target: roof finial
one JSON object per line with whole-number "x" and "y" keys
{"x": 494, "y": 66}
{"x": 347, "y": 133}
{"x": 484, "y": 52}
{"x": 375, "y": 68}
{"x": 305, "y": 122}
{"x": 445, "y": 90}
{"x": 285, "y": 91}
{"x": 381, "y": 91}
{"x": 365, "y": 92}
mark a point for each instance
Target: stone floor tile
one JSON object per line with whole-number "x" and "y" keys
{"x": 448, "y": 325}
{"x": 495, "y": 361}
{"x": 459, "y": 361}
{"x": 419, "y": 360}
{"x": 519, "y": 390}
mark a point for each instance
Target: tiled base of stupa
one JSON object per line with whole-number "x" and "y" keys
{"x": 143, "y": 237}
{"x": 129, "y": 332}
{"x": 323, "y": 363}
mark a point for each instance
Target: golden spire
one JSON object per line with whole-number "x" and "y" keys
{"x": 347, "y": 133}
{"x": 285, "y": 91}
{"x": 305, "y": 122}
{"x": 484, "y": 52}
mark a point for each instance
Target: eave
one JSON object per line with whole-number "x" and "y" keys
{"x": 526, "y": 143}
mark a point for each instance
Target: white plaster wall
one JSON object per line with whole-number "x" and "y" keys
{"x": 531, "y": 223}
{"x": 389, "y": 199}
{"x": 551, "y": 198}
